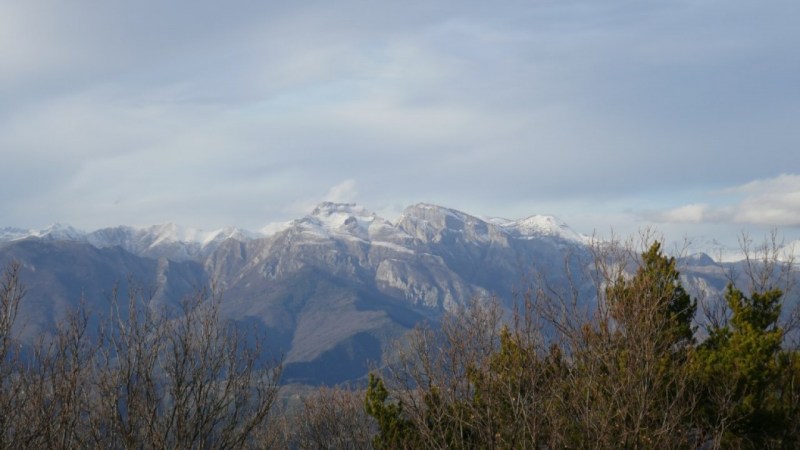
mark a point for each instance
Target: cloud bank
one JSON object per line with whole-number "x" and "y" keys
{"x": 771, "y": 202}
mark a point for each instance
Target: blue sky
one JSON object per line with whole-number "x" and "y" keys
{"x": 609, "y": 114}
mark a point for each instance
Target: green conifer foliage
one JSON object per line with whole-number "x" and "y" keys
{"x": 630, "y": 365}
{"x": 629, "y": 376}
{"x": 740, "y": 367}
{"x": 655, "y": 297}
{"x": 394, "y": 430}
{"x": 509, "y": 396}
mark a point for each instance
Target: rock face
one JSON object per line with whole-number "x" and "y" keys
{"x": 328, "y": 290}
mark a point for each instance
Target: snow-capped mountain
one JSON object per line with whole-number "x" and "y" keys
{"x": 13, "y": 234}
{"x": 540, "y": 226}
{"x": 166, "y": 240}
{"x": 344, "y": 220}
{"x": 328, "y": 289}
{"x": 55, "y": 232}
{"x": 421, "y": 223}
{"x": 424, "y": 222}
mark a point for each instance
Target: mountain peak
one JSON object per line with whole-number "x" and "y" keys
{"x": 335, "y": 214}
{"x": 429, "y": 222}
{"x": 341, "y": 219}
{"x": 60, "y": 232}
{"x": 328, "y": 208}
{"x": 428, "y": 211}
{"x": 539, "y": 225}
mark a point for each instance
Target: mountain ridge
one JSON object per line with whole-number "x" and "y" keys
{"x": 328, "y": 290}
{"x": 342, "y": 219}
{"x": 184, "y": 243}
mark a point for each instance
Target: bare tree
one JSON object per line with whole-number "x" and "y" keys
{"x": 149, "y": 379}
{"x": 58, "y": 387}
{"x": 483, "y": 379}
{"x": 11, "y": 391}
{"x": 45, "y": 395}
{"x": 431, "y": 377}
{"x": 185, "y": 380}
{"x": 331, "y": 418}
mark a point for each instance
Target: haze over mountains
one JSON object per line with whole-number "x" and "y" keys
{"x": 328, "y": 290}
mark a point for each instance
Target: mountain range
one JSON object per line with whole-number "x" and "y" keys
{"x": 328, "y": 290}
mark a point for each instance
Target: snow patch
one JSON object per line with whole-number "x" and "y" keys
{"x": 393, "y": 246}
{"x": 275, "y": 228}
{"x": 55, "y": 232}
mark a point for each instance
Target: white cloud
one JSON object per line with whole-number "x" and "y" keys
{"x": 771, "y": 202}
{"x": 694, "y": 213}
{"x": 344, "y": 192}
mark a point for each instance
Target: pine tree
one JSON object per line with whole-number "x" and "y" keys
{"x": 394, "y": 430}
{"x": 632, "y": 364}
{"x": 740, "y": 367}
{"x": 654, "y": 297}
{"x": 510, "y": 394}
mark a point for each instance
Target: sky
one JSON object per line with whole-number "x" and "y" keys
{"x": 610, "y": 114}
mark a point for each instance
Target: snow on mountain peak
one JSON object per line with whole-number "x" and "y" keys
{"x": 275, "y": 228}
{"x": 226, "y": 233}
{"x": 430, "y": 223}
{"x": 539, "y": 225}
{"x": 172, "y": 233}
{"x": 425, "y": 219}
{"x": 346, "y": 219}
{"x": 441, "y": 216}
{"x": 336, "y": 214}
{"x": 13, "y": 234}
{"x": 58, "y": 232}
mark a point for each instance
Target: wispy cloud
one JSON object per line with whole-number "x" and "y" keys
{"x": 343, "y": 192}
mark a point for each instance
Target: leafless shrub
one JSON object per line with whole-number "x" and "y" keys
{"x": 152, "y": 379}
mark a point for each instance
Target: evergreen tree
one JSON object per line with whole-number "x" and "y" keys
{"x": 741, "y": 367}
{"x": 631, "y": 376}
{"x": 654, "y": 297}
{"x": 510, "y": 396}
{"x": 394, "y": 430}
{"x": 631, "y": 366}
